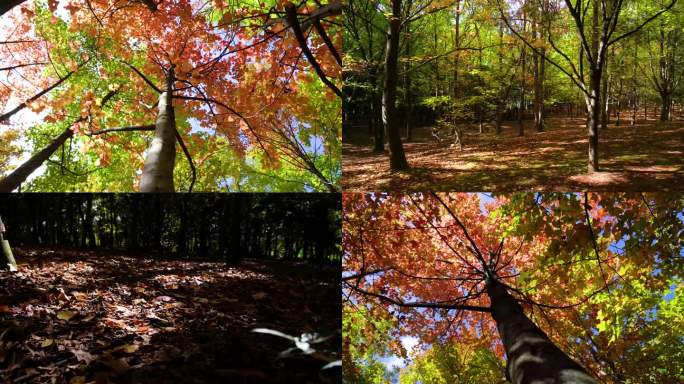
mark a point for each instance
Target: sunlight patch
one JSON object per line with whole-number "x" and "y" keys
{"x": 599, "y": 178}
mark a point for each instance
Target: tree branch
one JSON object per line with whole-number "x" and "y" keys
{"x": 149, "y": 127}
{"x": 328, "y": 42}
{"x": 236, "y": 113}
{"x": 187, "y": 155}
{"x": 420, "y": 304}
{"x": 143, "y": 77}
{"x": 299, "y": 34}
{"x": 19, "y": 66}
{"x": 642, "y": 25}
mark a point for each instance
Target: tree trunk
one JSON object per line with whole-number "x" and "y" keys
{"x": 19, "y": 175}
{"x": 457, "y": 45}
{"x": 532, "y": 357}
{"x": 88, "y": 223}
{"x": 521, "y": 105}
{"x": 666, "y": 103}
{"x": 634, "y": 110}
{"x": 497, "y": 120}
{"x": 605, "y": 111}
{"x": 593, "y": 101}
{"x": 157, "y": 175}
{"x": 11, "y": 264}
{"x": 538, "y": 84}
{"x": 389, "y": 95}
{"x": 407, "y": 83}
{"x": 378, "y": 131}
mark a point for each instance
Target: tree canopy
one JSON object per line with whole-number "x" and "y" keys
{"x": 252, "y": 98}
{"x": 599, "y": 276}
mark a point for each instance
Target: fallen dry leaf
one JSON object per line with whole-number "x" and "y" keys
{"x": 128, "y": 348}
{"x": 65, "y": 315}
{"x": 83, "y": 356}
{"x": 259, "y": 296}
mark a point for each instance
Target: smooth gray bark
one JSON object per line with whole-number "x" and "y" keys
{"x": 19, "y": 175}
{"x": 157, "y": 173}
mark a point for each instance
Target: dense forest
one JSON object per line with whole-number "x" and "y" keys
{"x": 559, "y": 94}
{"x": 207, "y": 226}
{"x": 159, "y": 288}
{"x": 564, "y": 288}
{"x": 162, "y": 96}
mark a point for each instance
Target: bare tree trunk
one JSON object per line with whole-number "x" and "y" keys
{"x": 521, "y": 127}
{"x": 538, "y": 82}
{"x": 157, "y": 175}
{"x": 605, "y": 110}
{"x": 532, "y": 356}
{"x": 593, "y": 115}
{"x": 407, "y": 83}
{"x": 19, "y": 175}
{"x": 457, "y": 45}
{"x": 389, "y": 96}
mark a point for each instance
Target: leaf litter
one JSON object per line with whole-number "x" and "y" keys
{"x": 109, "y": 317}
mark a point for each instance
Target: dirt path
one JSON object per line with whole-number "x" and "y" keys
{"x": 647, "y": 157}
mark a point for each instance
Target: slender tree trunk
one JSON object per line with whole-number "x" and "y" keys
{"x": 593, "y": 101}
{"x": 538, "y": 83}
{"x": 532, "y": 357}
{"x": 457, "y": 45}
{"x": 521, "y": 106}
{"x": 19, "y": 175}
{"x": 157, "y": 175}
{"x": 88, "y": 232}
{"x": 389, "y": 96}
{"x": 605, "y": 110}
{"x": 407, "y": 83}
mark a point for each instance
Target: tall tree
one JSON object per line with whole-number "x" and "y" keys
{"x": 450, "y": 266}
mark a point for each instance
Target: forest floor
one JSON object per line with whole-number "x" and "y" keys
{"x": 78, "y": 317}
{"x": 646, "y": 157}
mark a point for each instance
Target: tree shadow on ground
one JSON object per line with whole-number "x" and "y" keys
{"x": 645, "y": 157}
{"x": 90, "y": 316}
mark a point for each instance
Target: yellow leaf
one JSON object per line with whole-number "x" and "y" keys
{"x": 128, "y": 348}
{"x": 77, "y": 380}
{"x": 47, "y": 342}
{"x": 65, "y": 315}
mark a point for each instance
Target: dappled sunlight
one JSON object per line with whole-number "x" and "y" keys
{"x": 144, "y": 319}
{"x": 643, "y": 157}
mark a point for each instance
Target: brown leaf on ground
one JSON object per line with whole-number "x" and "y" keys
{"x": 646, "y": 157}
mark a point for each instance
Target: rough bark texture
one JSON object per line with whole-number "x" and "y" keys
{"x": 532, "y": 357}
{"x": 157, "y": 173}
{"x": 389, "y": 96}
{"x": 19, "y": 175}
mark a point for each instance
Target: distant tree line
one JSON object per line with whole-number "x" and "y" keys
{"x": 220, "y": 226}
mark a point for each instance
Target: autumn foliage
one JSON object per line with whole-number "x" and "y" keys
{"x": 241, "y": 84}
{"x": 599, "y": 273}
